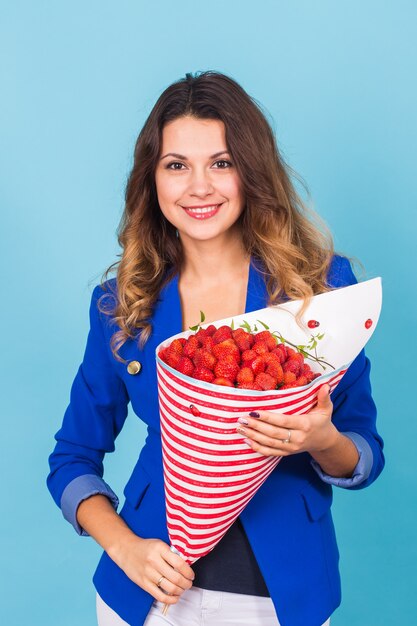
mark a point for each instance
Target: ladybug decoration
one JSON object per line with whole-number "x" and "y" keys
{"x": 368, "y": 324}
{"x": 313, "y": 323}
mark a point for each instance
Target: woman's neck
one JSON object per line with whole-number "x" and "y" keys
{"x": 214, "y": 279}
{"x": 207, "y": 261}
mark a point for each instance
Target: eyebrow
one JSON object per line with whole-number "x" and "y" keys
{"x": 184, "y": 158}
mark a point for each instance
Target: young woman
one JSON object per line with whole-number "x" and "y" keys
{"x": 212, "y": 222}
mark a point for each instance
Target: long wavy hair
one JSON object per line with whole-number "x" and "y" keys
{"x": 278, "y": 229}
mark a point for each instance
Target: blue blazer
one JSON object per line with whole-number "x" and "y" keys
{"x": 288, "y": 522}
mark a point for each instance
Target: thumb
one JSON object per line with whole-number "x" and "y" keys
{"x": 323, "y": 398}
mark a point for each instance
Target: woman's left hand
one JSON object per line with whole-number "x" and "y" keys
{"x": 277, "y": 434}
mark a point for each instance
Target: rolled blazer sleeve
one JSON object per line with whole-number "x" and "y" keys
{"x": 94, "y": 417}
{"x": 354, "y": 411}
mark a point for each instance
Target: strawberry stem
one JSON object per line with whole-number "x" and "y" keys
{"x": 312, "y": 357}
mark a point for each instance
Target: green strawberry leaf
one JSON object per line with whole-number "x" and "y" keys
{"x": 246, "y": 326}
{"x": 263, "y": 324}
{"x": 202, "y": 317}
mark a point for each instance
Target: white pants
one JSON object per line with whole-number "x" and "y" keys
{"x": 198, "y": 607}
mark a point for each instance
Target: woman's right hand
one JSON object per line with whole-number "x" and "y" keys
{"x": 145, "y": 561}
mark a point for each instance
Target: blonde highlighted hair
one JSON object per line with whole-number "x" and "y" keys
{"x": 289, "y": 239}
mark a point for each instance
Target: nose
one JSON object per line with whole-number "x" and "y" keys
{"x": 200, "y": 183}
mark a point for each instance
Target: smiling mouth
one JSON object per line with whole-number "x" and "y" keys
{"x": 203, "y": 212}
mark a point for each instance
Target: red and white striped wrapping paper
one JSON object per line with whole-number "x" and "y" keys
{"x": 210, "y": 474}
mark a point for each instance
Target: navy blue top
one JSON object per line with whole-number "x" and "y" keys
{"x": 231, "y": 566}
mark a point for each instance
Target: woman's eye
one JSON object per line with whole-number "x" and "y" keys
{"x": 174, "y": 163}
{"x": 224, "y": 164}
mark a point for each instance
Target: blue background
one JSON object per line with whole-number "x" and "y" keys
{"x": 78, "y": 80}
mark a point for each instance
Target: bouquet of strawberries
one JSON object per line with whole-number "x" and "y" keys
{"x": 211, "y": 375}
{"x": 242, "y": 358}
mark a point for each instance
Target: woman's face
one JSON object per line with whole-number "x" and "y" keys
{"x": 198, "y": 188}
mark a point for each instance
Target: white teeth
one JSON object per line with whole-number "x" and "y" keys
{"x": 203, "y": 210}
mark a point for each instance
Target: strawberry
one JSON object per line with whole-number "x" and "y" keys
{"x": 260, "y": 347}
{"x": 248, "y": 356}
{"x": 173, "y": 353}
{"x": 185, "y": 366}
{"x": 163, "y": 355}
{"x": 275, "y": 370}
{"x": 265, "y": 381}
{"x": 253, "y": 386}
{"x": 289, "y": 378}
{"x": 292, "y": 365}
{"x": 176, "y": 347}
{"x": 222, "y": 333}
{"x": 227, "y": 368}
{"x": 307, "y": 372}
{"x": 273, "y": 365}
{"x": 200, "y": 335}
{"x": 204, "y": 359}
{"x": 191, "y": 346}
{"x": 203, "y": 373}
{"x": 208, "y": 344}
{"x": 258, "y": 365}
{"x": 245, "y": 375}
{"x": 269, "y": 339}
{"x": 173, "y": 358}
{"x": 210, "y": 330}
{"x": 223, "y": 381}
{"x": 226, "y": 348}
{"x": 298, "y": 356}
{"x": 301, "y": 381}
{"x": 182, "y": 341}
{"x": 281, "y": 352}
{"x": 243, "y": 340}
{"x": 288, "y": 386}
{"x": 270, "y": 357}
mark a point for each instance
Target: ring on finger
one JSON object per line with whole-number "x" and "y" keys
{"x": 158, "y": 584}
{"x": 288, "y": 439}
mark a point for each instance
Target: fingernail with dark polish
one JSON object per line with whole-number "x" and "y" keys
{"x": 254, "y": 414}
{"x": 242, "y": 420}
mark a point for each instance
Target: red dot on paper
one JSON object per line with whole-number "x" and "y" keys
{"x": 368, "y": 323}
{"x": 313, "y": 323}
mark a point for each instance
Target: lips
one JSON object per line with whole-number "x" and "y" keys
{"x": 202, "y": 212}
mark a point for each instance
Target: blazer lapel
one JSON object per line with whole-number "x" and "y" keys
{"x": 167, "y": 316}
{"x": 257, "y": 295}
